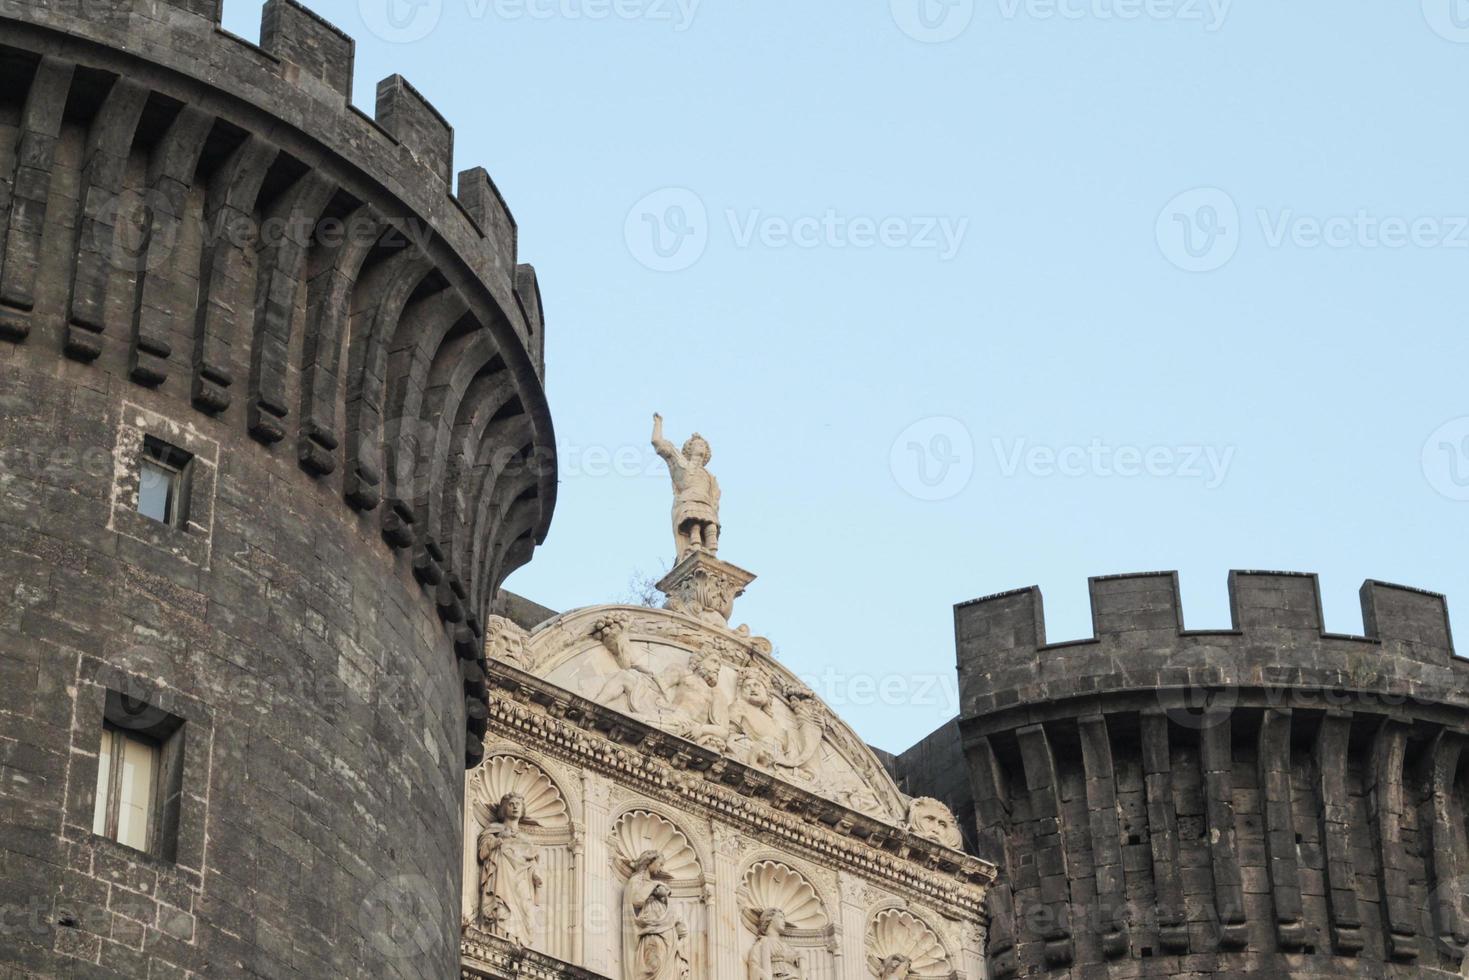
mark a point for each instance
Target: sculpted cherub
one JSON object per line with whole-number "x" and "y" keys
{"x": 695, "y": 492}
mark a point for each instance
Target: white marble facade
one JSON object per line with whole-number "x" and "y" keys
{"x": 718, "y": 879}
{"x": 660, "y": 799}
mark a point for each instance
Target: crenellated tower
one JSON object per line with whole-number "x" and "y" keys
{"x": 273, "y": 430}
{"x": 1270, "y": 799}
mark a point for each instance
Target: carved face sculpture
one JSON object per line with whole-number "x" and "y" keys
{"x": 930, "y": 819}
{"x": 697, "y": 451}
{"x": 505, "y": 641}
{"x": 512, "y": 807}
{"x": 754, "y": 689}
{"x": 772, "y": 922}
{"x": 895, "y": 967}
{"x": 706, "y": 668}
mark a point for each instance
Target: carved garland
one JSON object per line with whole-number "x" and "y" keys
{"x": 684, "y": 788}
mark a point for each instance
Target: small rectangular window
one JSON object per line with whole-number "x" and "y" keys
{"x": 139, "y": 777}
{"x": 163, "y": 483}
{"x": 127, "y": 789}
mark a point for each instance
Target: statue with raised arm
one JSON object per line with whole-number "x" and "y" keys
{"x": 695, "y": 492}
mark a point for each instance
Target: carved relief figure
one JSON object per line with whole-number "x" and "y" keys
{"x": 700, "y": 713}
{"x": 656, "y": 934}
{"x": 695, "y": 492}
{"x": 772, "y": 958}
{"x": 636, "y": 687}
{"x": 510, "y": 875}
{"x": 758, "y": 737}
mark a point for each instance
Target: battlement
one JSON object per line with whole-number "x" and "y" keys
{"x": 1138, "y": 627}
{"x": 301, "y": 70}
{"x": 1148, "y": 603}
{"x": 243, "y": 243}
{"x": 1270, "y": 798}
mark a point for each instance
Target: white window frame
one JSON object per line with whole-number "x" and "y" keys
{"x": 110, "y": 785}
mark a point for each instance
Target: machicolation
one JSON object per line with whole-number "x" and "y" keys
{"x": 215, "y": 271}
{"x": 1270, "y": 799}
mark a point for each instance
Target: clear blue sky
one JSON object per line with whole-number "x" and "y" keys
{"x": 1316, "y": 361}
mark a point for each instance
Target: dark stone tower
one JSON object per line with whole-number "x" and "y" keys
{"x": 272, "y": 433}
{"x": 1270, "y": 800}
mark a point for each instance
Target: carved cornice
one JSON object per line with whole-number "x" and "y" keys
{"x": 687, "y": 775}
{"x": 484, "y": 955}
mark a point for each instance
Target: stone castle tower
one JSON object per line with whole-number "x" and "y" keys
{"x": 273, "y": 431}
{"x": 1271, "y": 799}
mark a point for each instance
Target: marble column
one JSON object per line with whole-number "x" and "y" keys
{"x": 601, "y": 930}
{"x": 852, "y": 920}
{"x": 724, "y": 915}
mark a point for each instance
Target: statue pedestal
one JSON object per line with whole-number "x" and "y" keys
{"x": 704, "y": 587}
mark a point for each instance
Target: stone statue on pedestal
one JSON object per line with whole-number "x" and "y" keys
{"x": 695, "y": 492}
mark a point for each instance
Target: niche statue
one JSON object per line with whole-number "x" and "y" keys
{"x": 510, "y": 882}
{"x": 772, "y": 958}
{"x": 655, "y": 935}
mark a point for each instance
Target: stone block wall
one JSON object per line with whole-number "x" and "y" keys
{"x": 202, "y": 245}
{"x": 1271, "y": 799}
